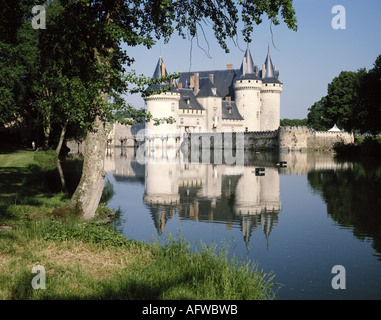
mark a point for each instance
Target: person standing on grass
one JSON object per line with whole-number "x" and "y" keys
{"x": 33, "y": 145}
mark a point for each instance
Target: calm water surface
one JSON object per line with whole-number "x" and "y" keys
{"x": 297, "y": 221}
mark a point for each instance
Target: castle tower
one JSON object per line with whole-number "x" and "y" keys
{"x": 162, "y": 105}
{"x": 247, "y": 88}
{"x": 270, "y": 96}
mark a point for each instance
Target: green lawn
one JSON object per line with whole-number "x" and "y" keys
{"x": 26, "y": 180}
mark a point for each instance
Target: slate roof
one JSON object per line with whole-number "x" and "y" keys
{"x": 223, "y": 80}
{"x": 188, "y": 95}
{"x": 206, "y": 89}
{"x": 230, "y": 111}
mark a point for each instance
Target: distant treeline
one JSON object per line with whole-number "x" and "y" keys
{"x": 294, "y": 122}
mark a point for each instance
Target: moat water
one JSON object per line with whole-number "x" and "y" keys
{"x": 297, "y": 221}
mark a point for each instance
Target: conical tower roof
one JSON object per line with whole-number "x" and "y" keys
{"x": 269, "y": 75}
{"x": 248, "y": 68}
{"x": 160, "y": 70}
{"x": 269, "y": 66}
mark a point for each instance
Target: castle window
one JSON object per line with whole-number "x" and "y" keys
{"x": 274, "y": 84}
{"x": 198, "y": 121}
{"x": 246, "y": 129}
{"x": 181, "y": 120}
{"x": 173, "y": 107}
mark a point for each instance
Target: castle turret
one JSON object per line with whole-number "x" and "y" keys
{"x": 247, "y": 88}
{"x": 270, "y": 96}
{"x": 162, "y": 105}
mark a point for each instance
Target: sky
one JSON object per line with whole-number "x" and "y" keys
{"x": 307, "y": 59}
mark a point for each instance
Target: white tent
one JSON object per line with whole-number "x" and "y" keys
{"x": 334, "y": 128}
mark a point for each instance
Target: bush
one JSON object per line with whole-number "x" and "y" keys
{"x": 367, "y": 147}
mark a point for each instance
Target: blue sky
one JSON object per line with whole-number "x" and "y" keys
{"x": 307, "y": 59}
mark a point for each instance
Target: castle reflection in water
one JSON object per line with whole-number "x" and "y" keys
{"x": 230, "y": 194}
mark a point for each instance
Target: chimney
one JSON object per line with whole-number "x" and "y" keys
{"x": 196, "y": 83}
{"x": 211, "y": 78}
{"x": 163, "y": 69}
{"x": 180, "y": 85}
{"x": 228, "y": 98}
{"x": 191, "y": 84}
{"x": 229, "y": 66}
{"x": 263, "y": 70}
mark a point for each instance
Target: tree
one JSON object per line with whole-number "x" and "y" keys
{"x": 316, "y": 116}
{"x": 94, "y": 31}
{"x": 18, "y": 51}
{"x": 368, "y": 111}
{"x": 353, "y": 102}
{"x": 343, "y": 98}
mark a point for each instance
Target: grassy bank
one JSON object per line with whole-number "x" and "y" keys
{"x": 90, "y": 260}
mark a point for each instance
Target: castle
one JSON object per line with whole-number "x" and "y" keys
{"x": 245, "y": 100}
{"x": 230, "y": 100}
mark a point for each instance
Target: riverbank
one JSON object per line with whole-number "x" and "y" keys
{"x": 362, "y": 146}
{"x": 90, "y": 260}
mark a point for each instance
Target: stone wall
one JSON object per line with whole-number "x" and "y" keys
{"x": 254, "y": 140}
{"x": 285, "y": 138}
{"x": 302, "y": 138}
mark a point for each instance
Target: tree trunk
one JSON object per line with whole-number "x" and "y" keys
{"x": 47, "y": 127}
{"x": 62, "y": 136}
{"x": 62, "y": 176}
{"x": 86, "y": 197}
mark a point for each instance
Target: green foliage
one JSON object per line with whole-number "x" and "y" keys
{"x": 293, "y": 122}
{"x": 342, "y": 99}
{"x": 368, "y": 147}
{"x": 18, "y": 53}
{"x": 316, "y": 118}
{"x": 368, "y": 112}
